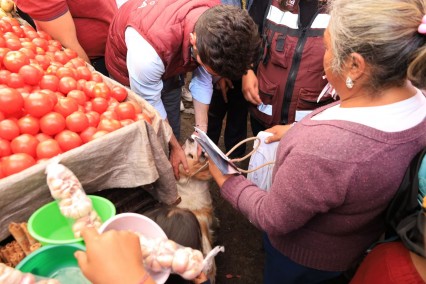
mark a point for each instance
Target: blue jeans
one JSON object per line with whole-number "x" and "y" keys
{"x": 279, "y": 269}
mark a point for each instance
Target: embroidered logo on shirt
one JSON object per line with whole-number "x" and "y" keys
{"x": 145, "y": 3}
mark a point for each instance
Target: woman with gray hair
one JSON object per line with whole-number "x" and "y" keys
{"x": 337, "y": 169}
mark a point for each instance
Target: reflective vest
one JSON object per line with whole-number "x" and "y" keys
{"x": 290, "y": 72}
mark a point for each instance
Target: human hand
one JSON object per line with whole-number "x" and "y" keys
{"x": 112, "y": 257}
{"x": 278, "y": 131}
{"x": 200, "y": 278}
{"x": 177, "y": 157}
{"x": 250, "y": 88}
{"x": 224, "y": 85}
{"x": 217, "y": 174}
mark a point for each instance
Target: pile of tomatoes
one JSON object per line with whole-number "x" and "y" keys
{"x": 50, "y": 101}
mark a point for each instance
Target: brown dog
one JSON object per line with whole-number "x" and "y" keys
{"x": 193, "y": 189}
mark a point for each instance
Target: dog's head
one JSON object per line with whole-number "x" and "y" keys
{"x": 198, "y": 168}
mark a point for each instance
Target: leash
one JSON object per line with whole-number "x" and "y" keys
{"x": 248, "y": 155}
{"x": 239, "y": 159}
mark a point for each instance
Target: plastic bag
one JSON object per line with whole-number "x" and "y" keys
{"x": 72, "y": 199}
{"x": 166, "y": 255}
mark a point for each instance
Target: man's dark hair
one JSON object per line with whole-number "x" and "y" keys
{"x": 227, "y": 40}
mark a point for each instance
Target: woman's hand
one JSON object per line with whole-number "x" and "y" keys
{"x": 217, "y": 174}
{"x": 250, "y": 88}
{"x": 278, "y": 131}
{"x": 112, "y": 257}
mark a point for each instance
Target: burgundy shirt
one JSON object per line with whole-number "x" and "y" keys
{"x": 91, "y": 18}
{"x": 332, "y": 181}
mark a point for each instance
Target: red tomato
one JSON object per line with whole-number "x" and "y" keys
{"x": 99, "y": 105}
{"x": 13, "y": 43}
{"x": 31, "y": 34}
{"x": 101, "y": 90}
{"x": 28, "y": 52}
{"x": 52, "y": 123}
{"x": 84, "y": 73}
{"x": 48, "y": 148}
{"x": 98, "y": 134}
{"x": 5, "y": 26}
{"x": 61, "y": 57}
{"x": 66, "y": 106}
{"x": 79, "y": 62}
{"x": 14, "y": 60}
{"x": 43, "y": 60}
{"x": 2, "y": 116}
{"x": 18, "y": 31}
{"x": 66, "y": 72}
{"x": 88, "y": 106}
{"x": 93, "y": 118}
{"x": 125, "y": 122}
{"x": 53, "y": 96}
{"x": 13, "y": 21}
{"x": 109, "y": 124}
{"x": 2, "y": 42}
{"x": 10, "y": 35}
{"x": 143, "y": 116}
{"x": 55, "y": 44}
{"x": 38, "y": 104}
{"x": 125, "y": 110}
{"x": 15, "y": 81}
{"x": 11, "y": 101}
{"x": 86, "y": 135}
{"x": 5, "y": 149}
{"x": 119, "y": 93}
{"x": 50, "y": 82}
{"x": 42, "y": 137}
{"x": 3, "y": 52}
{"x": 44, "y": 35}
{"x": 70, "y": 53}
{"x": 24, "y": 143}
{"x": 30, "y": 74}
{"x": 29, "y": 45}
{"x": 16, "y": 163}
{"x": 68, "y": 140}
{"x": 137, "y": 106}
{"x": 40, "y": 42}
{"x": 4, "y": 76}
{"x": 77, "y": 121}
{"x": 88, "y": 88}
{"x": 109, "y": 114}
{"x": 79, "y": 96}
{"x": 67, "y": 84}
{"x": 29, "y": 125}
{"x": 97, "y": 77}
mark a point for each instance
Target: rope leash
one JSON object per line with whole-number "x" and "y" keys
{"x": 238, "y": 159}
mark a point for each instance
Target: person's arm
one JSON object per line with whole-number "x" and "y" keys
{"x": 145, "y": 71}
{"x": 112, "y": 257}
{"x": 63, "y": 30}
{"x": 278, "y": 131}
{"x": 201, "y": 88}
{"x": 250, "y": 88}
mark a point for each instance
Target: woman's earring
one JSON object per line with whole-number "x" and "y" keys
{"x": 349, "y": 83}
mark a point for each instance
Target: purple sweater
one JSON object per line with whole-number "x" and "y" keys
{"x": 332, "y": 181}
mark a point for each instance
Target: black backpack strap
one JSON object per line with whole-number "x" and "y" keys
{"x": 404, "y": 215}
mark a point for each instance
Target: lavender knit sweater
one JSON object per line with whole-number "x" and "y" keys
{"x": 332, "y": 181}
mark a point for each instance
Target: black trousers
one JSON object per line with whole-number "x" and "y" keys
{"x": 235, "y": 111}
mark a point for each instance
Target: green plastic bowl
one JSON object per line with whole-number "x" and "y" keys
{"x": 48, "y": 226}
{"x": 48, "y": 260}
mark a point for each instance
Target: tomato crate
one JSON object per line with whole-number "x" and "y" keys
{"x": 132, "y": 158}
